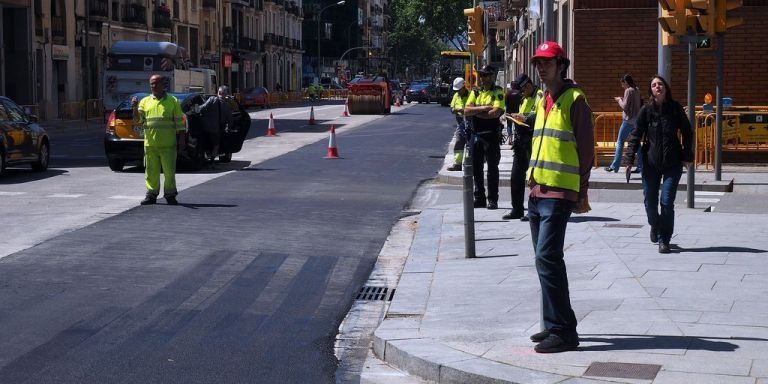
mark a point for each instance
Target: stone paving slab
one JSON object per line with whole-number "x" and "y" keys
{"x": 700, "y": 312}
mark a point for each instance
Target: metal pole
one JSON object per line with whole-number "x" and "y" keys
{"x": 469, "y": 208}
{"x": 719, "y": 114}
{"x": 548, "y": 18}
{"x": 665, "y": 53}
{"x": 691, "y": 117}
{"x": 319, "y": 17}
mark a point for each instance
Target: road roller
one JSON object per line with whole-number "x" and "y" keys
{"x": 369, "y": 96}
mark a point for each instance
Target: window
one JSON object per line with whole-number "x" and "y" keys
{"x": 3, "y": 115}
{"x": 13, "y": 111}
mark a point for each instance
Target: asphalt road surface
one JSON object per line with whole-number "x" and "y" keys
{"x": 245, "y": 282}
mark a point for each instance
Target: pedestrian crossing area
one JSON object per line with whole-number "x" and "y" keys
{"x": 706, "y": 198}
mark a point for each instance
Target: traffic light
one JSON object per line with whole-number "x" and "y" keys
{"x": 672, "y": 20}
{"x": 700, "y": 17}
{"x": 722, "y": 21}
{"x": 475, "y": 30}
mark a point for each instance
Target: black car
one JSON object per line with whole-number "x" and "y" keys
{"x": 22, "y": 139}
{"x": 421, "y": 92}
{"x": 124, "y": 141}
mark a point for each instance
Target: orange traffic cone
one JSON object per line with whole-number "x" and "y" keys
{"x": 332, "y": 153}
{"x": 271, "y": 126}
{"x": 346, "y": 110}
{"x": 312, "y": 116}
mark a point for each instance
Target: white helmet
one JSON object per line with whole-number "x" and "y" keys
{"x": 458, "y": 84}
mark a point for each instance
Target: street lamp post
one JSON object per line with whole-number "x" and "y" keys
{"x": 319, "y": 19}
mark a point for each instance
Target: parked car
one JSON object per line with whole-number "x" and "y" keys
{"x": 22, "y": 139}
{"x": 124, "y": 140}
{"x": 421, "y": 92}
{"x": 255, "y": 97}
{"x": 397, "y": 91}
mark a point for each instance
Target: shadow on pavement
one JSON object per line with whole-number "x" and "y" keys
{"x": 495, "y": 256}
{"x": 585, "y": 219}
{"x": 677, "y": 249}
{"x": 21, "y": 175}
{"x": 639, "y": 342}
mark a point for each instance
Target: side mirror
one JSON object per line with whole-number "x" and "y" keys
{"x": 33, "y": 118}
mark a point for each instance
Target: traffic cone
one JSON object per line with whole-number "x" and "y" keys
{"x": 271, "y": 126}
{"x": 312, "y": 116}
{"x": 332, "y": 153}
{"x": 346, "y": 110}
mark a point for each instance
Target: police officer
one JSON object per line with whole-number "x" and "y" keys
{"x": 526, "y": 115}
{"x": 485, "y": 106}
{"x": 161, "y": 116}
{"x": 457, "y": 108}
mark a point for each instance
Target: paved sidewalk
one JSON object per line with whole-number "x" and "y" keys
{"x": 698, "y": 315}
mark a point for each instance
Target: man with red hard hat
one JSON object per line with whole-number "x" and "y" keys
{"x": 562, "y": 154}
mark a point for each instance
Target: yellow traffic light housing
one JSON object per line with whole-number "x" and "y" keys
{"x": 672, "y": 20}
{"x": 722, "y": 21}
{"x": 475, "y": 30}
{"x": 700, "y": 17}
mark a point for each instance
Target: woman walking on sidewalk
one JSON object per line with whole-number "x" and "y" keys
{"x": 630, "y": 105}
{"x": 659, "y": 123}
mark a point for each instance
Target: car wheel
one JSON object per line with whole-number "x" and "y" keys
{"x": 225, "y": 158}
{"x": 116, "y": 164}
{"x": 43, "y": 155}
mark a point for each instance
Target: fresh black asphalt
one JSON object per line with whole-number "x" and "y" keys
{"x": 245, "y": 282}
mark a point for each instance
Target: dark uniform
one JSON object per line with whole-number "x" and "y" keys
{"x": 486, "y": 146}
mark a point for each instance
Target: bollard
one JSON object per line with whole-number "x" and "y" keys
{"x": 469, "y": 207}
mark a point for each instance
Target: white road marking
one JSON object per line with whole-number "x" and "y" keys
{"x": 66, "y": 195}
{"x": 11, "y": 193}
{"x": 708, "y": 193}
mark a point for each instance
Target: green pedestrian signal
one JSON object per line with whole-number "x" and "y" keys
{"x": 705, "y": 44}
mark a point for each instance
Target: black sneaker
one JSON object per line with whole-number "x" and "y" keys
{"x": 609, "y": 169}
{"x": 171, "y": 200}
{"x": 525, "y": 218}
{"x": 479, "y": 204}
{"x": 149, "y": 200}
{"x": 554, "y": 343}
{"x": 511, "y": 215}
{"x": 493, "y": 205}
{"x": 455, "y": 167}
{"x": 664, "y": 247}
{"x": 654, "y": 234}
{"x": 539, "y": 337}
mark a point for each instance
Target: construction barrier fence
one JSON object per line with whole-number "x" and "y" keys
{"x": 745, "y": 136}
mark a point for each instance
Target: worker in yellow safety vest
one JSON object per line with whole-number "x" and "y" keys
{"x": 162, "y": 118}
{"x": 562, "y": 153}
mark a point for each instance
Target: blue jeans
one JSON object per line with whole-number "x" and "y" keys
{"x": 664, "y": 221}
{"x": 549, "y": 218}
{"x": 624, "y": 130}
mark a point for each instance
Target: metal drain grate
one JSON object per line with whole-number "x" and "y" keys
{"x": 375, "y": 294}
{"x": 623, "y": 225}
{"x": 623, "y": 370}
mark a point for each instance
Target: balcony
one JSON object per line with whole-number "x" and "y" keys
{"x": 98, "y": 9}
{"x": 209, "y": 4}
{"x": 248, "y": 44}
{"x": 135, "y": 14}
{"x": 161, "y": 20}
{"x": 269, "y": 38}
{"x": 58, "y": 30}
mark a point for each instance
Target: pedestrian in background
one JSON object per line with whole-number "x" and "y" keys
{"x": 659, "y": 124}
{"x": 216, "y": 116}
{"x": 561, "y": 161}
{"x": 511, "y": 105}
{"x": 485, "y": 106}
{"x": 162, "y": 118}
{"x": 522, "y": 119}
{"x": 458, "y": 102}
{"x": 630, "y": 105}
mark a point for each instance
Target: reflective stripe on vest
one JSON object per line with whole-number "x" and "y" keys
{"x": 555, "y": 158}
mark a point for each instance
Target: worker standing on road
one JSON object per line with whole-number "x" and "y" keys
{"x": 485, "y": 106}
{"x": 216, "y": 116}
{"x": 560, "y": 165}
{"x": 457, "y": 108}
{"x": 523, "y": 121}
{"x": 161, "y": 116}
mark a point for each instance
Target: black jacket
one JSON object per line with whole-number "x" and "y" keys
{"x": 659, "y": 128}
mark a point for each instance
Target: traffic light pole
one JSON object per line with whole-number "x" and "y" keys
{"x": 720, "y": 41}
{"x": 692, "y": 118}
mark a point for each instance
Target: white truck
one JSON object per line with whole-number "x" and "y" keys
{"x": 131, "y": 63}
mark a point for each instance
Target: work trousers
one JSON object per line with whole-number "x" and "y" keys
{"x": 521, "y": 157}
{"x": 486, "y": 149}
{"x": 155, "y": 160}
{"x": 663, "y": 220}
{"x": 549, "y": 218}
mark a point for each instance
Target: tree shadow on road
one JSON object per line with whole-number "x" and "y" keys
{"x": 720, "y": 249}
{"x": 618, "y": 342}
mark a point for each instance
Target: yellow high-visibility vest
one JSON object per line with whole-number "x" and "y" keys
{"x": 554, "y": 156}
{"x": 161, "y": 118}
{"x": 530, "y": 102}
